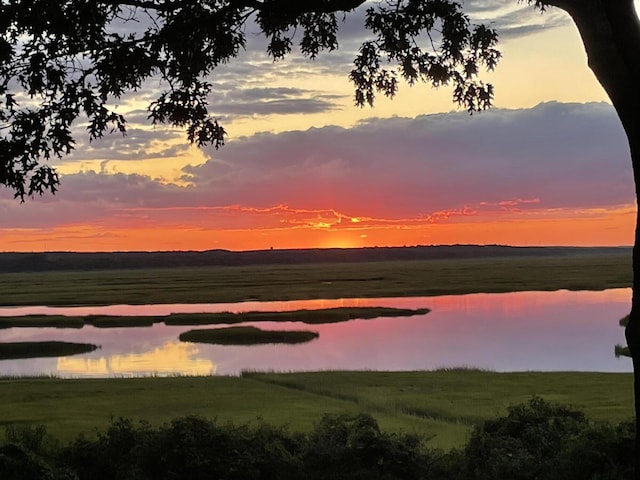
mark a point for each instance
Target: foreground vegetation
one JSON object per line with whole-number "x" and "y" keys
{"x": 534, "y": 441}
{"x": 443, "y": 405}
{"x": 338, "y": 280}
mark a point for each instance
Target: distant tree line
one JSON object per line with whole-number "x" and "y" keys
{"x": 52, "y": 261}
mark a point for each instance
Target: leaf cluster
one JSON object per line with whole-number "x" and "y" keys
{"x": 430, "y": 41}
{"x": 68, "y": 62}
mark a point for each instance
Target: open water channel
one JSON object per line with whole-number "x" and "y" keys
{"x": 520, "y": 331}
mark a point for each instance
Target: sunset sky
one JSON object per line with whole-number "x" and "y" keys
{"x": 303, "y": 167}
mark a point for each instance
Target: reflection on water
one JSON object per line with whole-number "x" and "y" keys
{"x": 506, "y": 332}
{"x": 172, "y": 358}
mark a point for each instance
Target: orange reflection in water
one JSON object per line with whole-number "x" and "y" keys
{"x": 173, "y": 358}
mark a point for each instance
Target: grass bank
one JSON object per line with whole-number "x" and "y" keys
{"x": 16, "y": 350}
{"x": 339, "y": 280}
{"x": 441, "y": 403}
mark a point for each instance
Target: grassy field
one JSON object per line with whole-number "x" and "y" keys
{"x": 444, "y": 404}
{"x": 288, "y": 282}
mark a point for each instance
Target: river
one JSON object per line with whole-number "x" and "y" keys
{"x": 544, "y": 331}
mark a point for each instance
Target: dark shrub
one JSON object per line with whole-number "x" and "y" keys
{"x": 190, "y": 448}
{"x": 35, "y": 439}
{"x": 535, "y": 441}
{"x": 18, "y": 463}
{"x": 112, "y": 455}
{"x": 545, "y": 441}
{"x": 195, "y": 448}
{"x": 353, "y": 447}
{"x": 600, "y": 452}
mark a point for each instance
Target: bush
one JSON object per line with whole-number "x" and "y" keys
{"x": 189, "y": 447}
{"x": 537, "y": 440}
{"x": 545, "y": 441}
{"x": 353, "y": 447}
{"x": 26, "y": 455}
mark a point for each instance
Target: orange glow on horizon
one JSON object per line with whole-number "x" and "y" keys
{"x": 201, "y": 232}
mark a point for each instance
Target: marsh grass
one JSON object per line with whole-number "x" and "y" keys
{"x": 310, "y": 281}
{"x": 441, "y": 404}
{"x": 18, "y": 350}
{"x": 319, "y": 316}
{"x": 42, "y": 321}
{"x": 115, "y": 321}
{"x": 247, "y": 336}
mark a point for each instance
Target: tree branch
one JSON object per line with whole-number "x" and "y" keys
{"x": 276, "y": 6}
{"x": 309, "y": 6}
{"x": 565, "y": 5}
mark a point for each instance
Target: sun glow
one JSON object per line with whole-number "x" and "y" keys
{"x": 135, "y": 232}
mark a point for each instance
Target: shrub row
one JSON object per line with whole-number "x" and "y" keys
{"x": 537, "y": 440}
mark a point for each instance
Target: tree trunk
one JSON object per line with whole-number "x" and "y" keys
{"x": 632, "y": 330}
{"x": 610, "y": 31}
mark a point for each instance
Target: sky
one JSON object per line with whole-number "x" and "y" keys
{"x": 305, "y": 168}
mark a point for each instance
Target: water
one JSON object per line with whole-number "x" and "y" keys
{"x": 546, "y": 331}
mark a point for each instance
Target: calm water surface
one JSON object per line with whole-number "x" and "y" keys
{"x": 505, "y": 332}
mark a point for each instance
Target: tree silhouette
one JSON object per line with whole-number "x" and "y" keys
{"x": 62, "y": 62}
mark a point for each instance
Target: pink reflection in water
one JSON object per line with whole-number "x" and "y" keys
{"x": 506, "y": 332}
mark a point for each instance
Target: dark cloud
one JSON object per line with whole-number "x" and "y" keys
{"x": 272, "y": 93}
{"x": 276, "y": 107}
{"x": 260, "y": 100}
{"x": 566, "y": 155}
{"x": 137, "y": 144}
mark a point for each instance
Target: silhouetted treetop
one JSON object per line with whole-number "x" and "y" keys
{"x": 65, "y": 63}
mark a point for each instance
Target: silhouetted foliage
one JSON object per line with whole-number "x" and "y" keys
{"x": 69, "y": 61}
{"x": 30, "y": 453}
{"x": 344, "y": 447}
{"x": 338, "y": 448}
{"x": 545, "y": 441}
{"x": 538, "y": 440}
